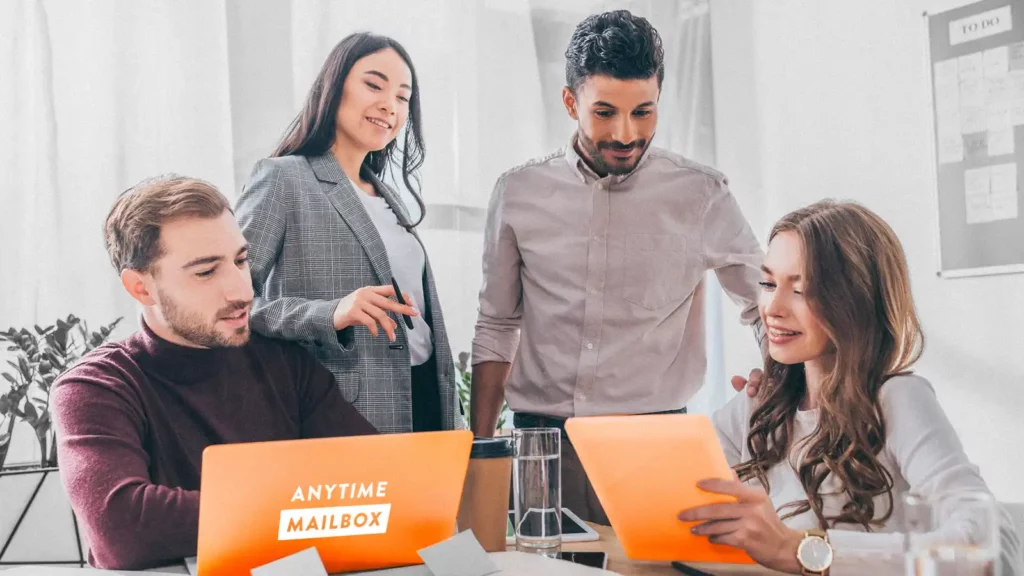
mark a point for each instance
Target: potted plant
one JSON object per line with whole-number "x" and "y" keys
{"x": 465, "y": 387}
{"x": 40, "y": 356}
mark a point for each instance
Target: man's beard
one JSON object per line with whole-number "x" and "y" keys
{"x": 592, "y": 153}
{"x": 192, "y": 328}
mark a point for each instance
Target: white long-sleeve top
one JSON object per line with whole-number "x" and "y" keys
{"x": 923, "y": 454}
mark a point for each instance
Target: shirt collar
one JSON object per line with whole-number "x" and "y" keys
{"x": 583, "y": 171}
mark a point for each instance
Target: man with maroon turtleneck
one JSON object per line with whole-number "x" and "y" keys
{"x": 134, "y": 416}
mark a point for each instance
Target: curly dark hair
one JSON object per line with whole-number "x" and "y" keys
{"x": 616, "y": 44}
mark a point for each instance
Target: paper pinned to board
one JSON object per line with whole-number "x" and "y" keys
{"x": 1003, "y": 187}
{"x": 973, "y": 93}
{"x": 973, "y": 120}
{"x": 991, "y": 193}
{"x": 977, "y": 195}
{"x": 1016, "y": 56}
{"x": 971, "y": 66}
{"x": 947, "y": 74}
{"x": 951, "y": 149}
{"x": 1000, "y": 142}
{"x": 996, "y": 61}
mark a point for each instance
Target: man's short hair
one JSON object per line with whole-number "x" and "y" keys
{"x": 131, "y": 232}
{"x": 616, "y": 44}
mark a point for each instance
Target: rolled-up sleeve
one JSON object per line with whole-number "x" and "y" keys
{"x": 496, "y": 337}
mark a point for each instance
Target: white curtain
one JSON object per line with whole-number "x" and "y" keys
{"x": 97, "y": 94}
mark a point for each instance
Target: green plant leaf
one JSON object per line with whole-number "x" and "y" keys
{"x": 61, "y": 338}
{"x": 26, "y": 370}
{"x": 30, "y": 414}
{"x": 42, "y": 424}
{"x": 10, "y": 379}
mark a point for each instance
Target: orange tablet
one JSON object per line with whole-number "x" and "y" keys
{"x": 645, "y": 471}
{"x": 364, "y": 502}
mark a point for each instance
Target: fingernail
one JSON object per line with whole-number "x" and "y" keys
{"x": 695, "y": 529}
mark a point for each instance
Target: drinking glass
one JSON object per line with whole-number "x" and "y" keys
{"x": 537, "y": 485}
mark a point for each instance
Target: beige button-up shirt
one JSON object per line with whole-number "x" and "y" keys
{"x": 593, "y": 287}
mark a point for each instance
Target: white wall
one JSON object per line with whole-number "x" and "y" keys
{"x": 831, "y": 99}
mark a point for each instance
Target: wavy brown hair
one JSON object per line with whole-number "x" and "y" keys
{"x": 858, "y": 287}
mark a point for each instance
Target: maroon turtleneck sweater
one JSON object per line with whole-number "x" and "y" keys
{"x": 134, "y": 417}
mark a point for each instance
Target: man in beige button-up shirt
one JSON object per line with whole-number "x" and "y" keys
{"x": 594, "y": 258}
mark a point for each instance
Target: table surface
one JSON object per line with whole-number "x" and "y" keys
{"x": 617, "y": 561}
{"x": 608, "y": 543}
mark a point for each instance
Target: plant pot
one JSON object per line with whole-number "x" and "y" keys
{"x": 37, "y": 524}
{"x": 24, "y": 450}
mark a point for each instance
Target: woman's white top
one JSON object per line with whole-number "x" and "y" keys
{"x": 408, "y": 262}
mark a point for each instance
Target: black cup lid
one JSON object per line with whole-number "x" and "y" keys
{"x": 491, "y": 448}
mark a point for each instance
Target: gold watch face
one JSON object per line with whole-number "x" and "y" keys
{"x": 814, "y": 554}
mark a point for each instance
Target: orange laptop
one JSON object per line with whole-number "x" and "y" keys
{"x": 364, "y": 502}
{"x": 645, "y": 471}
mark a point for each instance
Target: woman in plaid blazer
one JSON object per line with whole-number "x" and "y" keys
{"x": 329, "y": 240}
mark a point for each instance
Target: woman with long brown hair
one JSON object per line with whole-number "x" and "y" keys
{"x": 841, "y": 428}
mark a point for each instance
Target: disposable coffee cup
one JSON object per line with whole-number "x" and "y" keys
{"x": 484, "y": 505}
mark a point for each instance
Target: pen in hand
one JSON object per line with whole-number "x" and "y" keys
{"x": 401, "y": 300}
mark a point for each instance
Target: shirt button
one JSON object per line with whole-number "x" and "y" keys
{"x": 590, "y": 345}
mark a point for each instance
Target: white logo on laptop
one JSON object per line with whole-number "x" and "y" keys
{"x": 357, "y": 520}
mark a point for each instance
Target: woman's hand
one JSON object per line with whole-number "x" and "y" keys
{"x": 369, "y": 306}
{"x": 751, "y": 524}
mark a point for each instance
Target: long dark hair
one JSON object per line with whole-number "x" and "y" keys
{"x": 858, "y": 286}
{"x": 312, "y": 132}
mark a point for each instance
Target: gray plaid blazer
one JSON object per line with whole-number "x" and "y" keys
{"x": 311, "y": 243}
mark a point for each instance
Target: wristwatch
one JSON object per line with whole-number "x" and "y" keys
{"x": 814, "y": 553}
